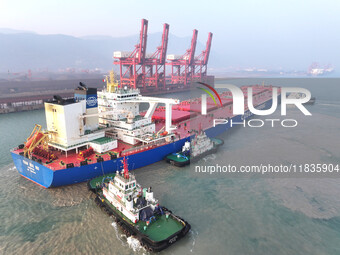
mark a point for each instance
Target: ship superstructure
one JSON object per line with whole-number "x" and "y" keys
{"x": 201, "y": 144}
{"x": 101, "y": 120}
{"x": 119, "y": 111}
{"x": 73, "y": 123}
{"x": 124, "y": 193}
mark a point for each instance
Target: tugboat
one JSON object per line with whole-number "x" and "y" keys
{"x": 199, "y": 147}
{"x": 138, "y": 213}
{"x": 96, "y": 184}
{"x": 296, "y": 95}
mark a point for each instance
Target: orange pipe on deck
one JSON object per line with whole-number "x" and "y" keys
{"x": 35, "y": 137}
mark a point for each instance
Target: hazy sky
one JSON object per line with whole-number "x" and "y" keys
{"x": 291, "y": 33}
{"x": 119, "y": 18}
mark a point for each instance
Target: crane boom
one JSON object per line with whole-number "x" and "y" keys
{"x": 164, "y": 45}
{"x": 193, "y": 47}
{"x": 143, "y": 41}
{"x": 207, "y": 49}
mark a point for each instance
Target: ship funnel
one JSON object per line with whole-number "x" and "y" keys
{"x": 59, "y": 99}
{"x": 129, "y": 203}
{"x": 149, "y": 195}
{"x": 84, "y": 87}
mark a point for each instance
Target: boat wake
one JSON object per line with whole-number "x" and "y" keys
{"x": 192, "y": 236}
{"x": 333, "y": 105}
{"x": 118, "y": 235}
{"x": 210, "y": 157}
{"x": 131, "y": 242}
{"x": 12, "y": 168}
{"x": 8, "y": 167}
{"x": 134, "y": 244}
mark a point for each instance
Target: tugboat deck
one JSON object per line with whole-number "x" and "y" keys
{"x": 159, "y": 229}
{"x": 174, "y": 156}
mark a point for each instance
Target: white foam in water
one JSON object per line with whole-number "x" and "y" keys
{"x": 12, "y": 168}
{"x": 192, "y": 236}
{"x": 334, "y": 105}
{"x": 118, "y": 235}
{"x": 9, "y": 167}
{"x": 210, "y": 157}
{"x": 134, "y": 244}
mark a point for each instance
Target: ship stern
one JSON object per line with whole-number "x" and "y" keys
{"x": 33, "y": 171}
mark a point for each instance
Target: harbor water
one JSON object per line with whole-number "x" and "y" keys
{"x": 229, "y": 215}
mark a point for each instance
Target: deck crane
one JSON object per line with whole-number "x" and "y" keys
{"x": 36, "y": 138}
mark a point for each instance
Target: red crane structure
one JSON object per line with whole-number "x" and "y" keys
{"x": 131, "y": 64}
{"x": 155, "y": 64}
{"x": 148, "y": 72}
{"x": 182, "y": 67}
{"x": 201, "y": 62}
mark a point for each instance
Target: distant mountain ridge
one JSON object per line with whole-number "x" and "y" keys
{"x": 23, "y": 50}
{"x": 14, "y": 31}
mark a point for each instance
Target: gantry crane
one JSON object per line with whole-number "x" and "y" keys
{"x": 148, "y": 72}
{"x": 155, "y": 64}
{"x": 201, "y": 62}
{"x": 131, "y": 64}
{"x": 182, "y": 67}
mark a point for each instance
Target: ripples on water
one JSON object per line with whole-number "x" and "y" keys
{"x": 228, "y": 215}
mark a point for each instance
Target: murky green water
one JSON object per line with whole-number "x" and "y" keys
{"x": 228, "y": 215}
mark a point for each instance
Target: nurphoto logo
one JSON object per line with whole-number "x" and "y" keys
{"x": 239, "y": 105}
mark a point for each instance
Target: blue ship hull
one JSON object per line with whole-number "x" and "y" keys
{"x": 47, "y": 178}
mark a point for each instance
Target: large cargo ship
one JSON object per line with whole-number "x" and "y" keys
{"x": 88, "y": 135}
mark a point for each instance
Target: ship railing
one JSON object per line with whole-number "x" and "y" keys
{"x": 124, "y": 152}
{"x": 144, "y": 147}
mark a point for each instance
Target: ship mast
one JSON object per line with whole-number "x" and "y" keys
{"x": 111, "y": 83}
{"x": 126, "y": 169}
